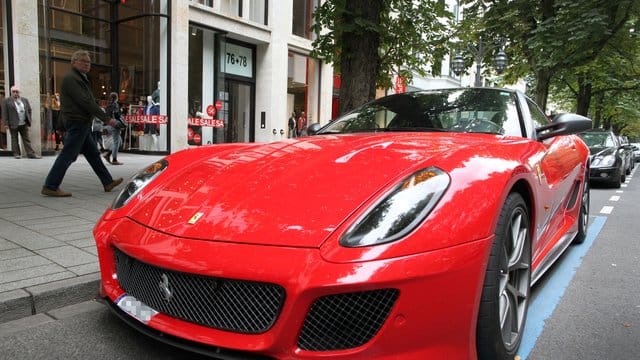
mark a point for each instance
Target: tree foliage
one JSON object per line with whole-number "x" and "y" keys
{"x": 547, "y": 37}
{"x": 370, "y": 42}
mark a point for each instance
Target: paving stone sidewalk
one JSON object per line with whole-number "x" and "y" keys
{"x": 47, "y": 252}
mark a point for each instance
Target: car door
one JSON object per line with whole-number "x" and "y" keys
{"x": 557, "y": 171}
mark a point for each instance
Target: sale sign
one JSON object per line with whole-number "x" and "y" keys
{"x": 147, "y": 119}
{"x": 211, "y": 111}
{"x": 216, "y": 123}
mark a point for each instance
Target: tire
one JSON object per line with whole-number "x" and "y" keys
{"x": 618, "y": 178}
{"x": 583, "y": 214}
{"x": 507, "y": 284}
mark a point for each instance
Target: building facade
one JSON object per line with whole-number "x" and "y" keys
{"x": 187, "y": 72}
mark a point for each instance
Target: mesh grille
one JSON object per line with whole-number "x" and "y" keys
{"x": 345, "y": 321}
{"x": 233, "y": 305}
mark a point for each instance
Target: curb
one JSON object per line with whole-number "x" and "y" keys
{"x": 38, "y": 299}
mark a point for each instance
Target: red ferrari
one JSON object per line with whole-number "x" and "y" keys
{"x": 410, "y": 228}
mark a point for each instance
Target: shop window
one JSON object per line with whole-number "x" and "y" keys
{"x": 66, "y": 26}
{"x": 142, "y": 75}
{"x": 135, "y": 66}
{"x": 3, "y": 80}
{"x": 302, "y": 90}
{"x": 220, "y": 89}
{"x": 302, "y": 17}
{"x": 203, "y": 128}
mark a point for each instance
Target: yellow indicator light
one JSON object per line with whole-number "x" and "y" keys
{"x": 418, "y": 178}
{"x": 153, "y": 168}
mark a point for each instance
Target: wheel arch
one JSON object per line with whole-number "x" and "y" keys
{"x": 523, "y": 188}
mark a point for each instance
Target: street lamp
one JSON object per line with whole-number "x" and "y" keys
{"x": 500, "y": 61}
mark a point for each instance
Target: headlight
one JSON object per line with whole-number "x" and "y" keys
{"x": 138, "y": 182}
{"x": 400, "y": 211}
{"x": 604, "y": 161}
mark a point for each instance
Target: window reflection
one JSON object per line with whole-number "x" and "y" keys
{"x": 302, "y": 17}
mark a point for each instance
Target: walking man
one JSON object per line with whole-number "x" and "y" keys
{"x": 78, "y": 108}
{"x": 16, "y": 112}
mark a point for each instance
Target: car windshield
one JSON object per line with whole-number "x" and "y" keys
{"x": 597, "y": 139}
{"x": 457, "y": 110}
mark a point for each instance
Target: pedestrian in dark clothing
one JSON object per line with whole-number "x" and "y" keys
{"x": 78, "y": 108}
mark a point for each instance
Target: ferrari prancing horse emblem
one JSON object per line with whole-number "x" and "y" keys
{"x": 166, "y": 291}
{"x": 195, "y": 218}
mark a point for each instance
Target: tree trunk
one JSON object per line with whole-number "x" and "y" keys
{"x": 542, "y": 88}
{"x": 359, "y": 60}
{"x": 597, "y": 119}
{"x": 584, "y": 96}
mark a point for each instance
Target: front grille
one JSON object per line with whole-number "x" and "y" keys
{"x": 344, "y": 321}
{"x": 233, "y": 305}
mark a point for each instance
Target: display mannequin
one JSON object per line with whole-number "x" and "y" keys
{"x": 151, "y": 130}
{"x": 156, "y": 95}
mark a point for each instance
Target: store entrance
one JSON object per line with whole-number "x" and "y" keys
{"x": 239, "y": 116}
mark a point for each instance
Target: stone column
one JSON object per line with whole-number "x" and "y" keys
{"x": 26, "y": 62}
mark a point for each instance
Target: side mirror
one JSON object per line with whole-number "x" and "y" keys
{"x": 564, "y": 124}
{"x": 313, "y": 128}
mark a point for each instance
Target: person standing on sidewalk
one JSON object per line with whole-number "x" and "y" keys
{"x": 78, "y": 108}
{"x": 113, "y": 110}
{"x": 16, "y": 113}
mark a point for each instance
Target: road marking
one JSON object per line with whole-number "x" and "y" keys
{"x": 614, "y": 198}
{"x": 606, "y": 210}
{"x": 545, "y": 301}
{"x": 619, "y": 191}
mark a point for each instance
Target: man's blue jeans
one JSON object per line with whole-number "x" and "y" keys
{"x": 77, "y": 140}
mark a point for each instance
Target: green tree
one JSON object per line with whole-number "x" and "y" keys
{"x": 548, "y": 36}
{"x": 369, "y": 42}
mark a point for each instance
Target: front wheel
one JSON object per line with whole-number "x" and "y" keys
{"x": 583, "y": 215}
{"x": 507, "y": 284}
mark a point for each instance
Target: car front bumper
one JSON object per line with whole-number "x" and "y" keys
{"x": 604, "y": 173}
{"x": 432, "y": 314}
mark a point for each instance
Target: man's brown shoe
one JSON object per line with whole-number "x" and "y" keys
{"x": 112, "y": 184}
{"x": 55, "y": 193}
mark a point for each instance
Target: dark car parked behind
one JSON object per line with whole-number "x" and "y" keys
{"x": 609, "y": 161}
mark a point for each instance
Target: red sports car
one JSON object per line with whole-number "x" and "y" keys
{"x": 410, "y": 228}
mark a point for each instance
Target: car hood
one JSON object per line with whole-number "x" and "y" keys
{"x": 293, "y": 192}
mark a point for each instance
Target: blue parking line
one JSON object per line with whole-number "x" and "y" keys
{"x": 548, "y": 297}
